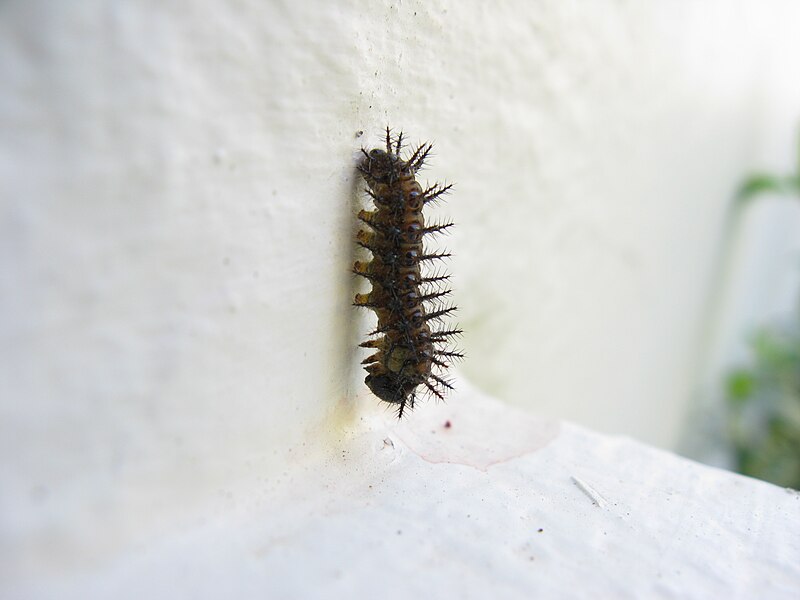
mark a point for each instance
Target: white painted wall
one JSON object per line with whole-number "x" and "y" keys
{"x": 624, "y": 137}
{"x": 177, "y": 199}
{"x": 756, "y": 280}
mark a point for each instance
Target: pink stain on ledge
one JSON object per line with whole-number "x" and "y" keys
{"x": 474, "y": 430}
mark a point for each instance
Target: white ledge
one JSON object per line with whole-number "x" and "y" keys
{"x": 471, "y": 499}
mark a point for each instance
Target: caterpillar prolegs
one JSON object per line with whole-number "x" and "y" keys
{"x": 411, "y": 346}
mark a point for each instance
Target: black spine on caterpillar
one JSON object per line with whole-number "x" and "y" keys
{"x": 409, "y": 351}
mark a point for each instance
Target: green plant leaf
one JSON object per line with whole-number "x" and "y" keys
{"x": 761, "y": 183}
{"x": 740, "y": 386}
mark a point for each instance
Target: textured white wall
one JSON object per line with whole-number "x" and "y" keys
{"x": 757, "y": 274}
{"x": 177, "y": 198}
{"x": 586, "y": 263}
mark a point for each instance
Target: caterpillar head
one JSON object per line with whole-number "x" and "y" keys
{"x": 390, "y": 387}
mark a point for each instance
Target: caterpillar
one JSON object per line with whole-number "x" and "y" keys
{"x": 409, "y": 350}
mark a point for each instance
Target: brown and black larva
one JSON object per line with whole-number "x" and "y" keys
{"x": 411, "y": 346}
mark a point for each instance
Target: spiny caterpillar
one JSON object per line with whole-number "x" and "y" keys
{"x": 407, "y": 301}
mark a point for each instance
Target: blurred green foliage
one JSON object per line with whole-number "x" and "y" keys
{"x": 764, "y": 409}
{"x": 763, "y": 400}
{"x": 760, "y": 183}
